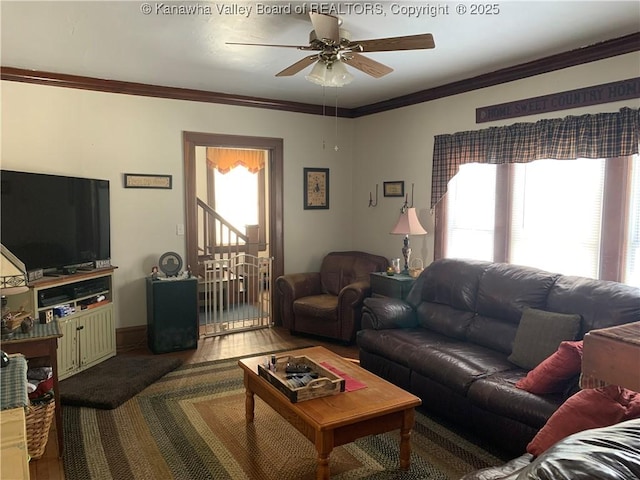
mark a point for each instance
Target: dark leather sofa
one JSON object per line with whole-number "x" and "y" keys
{"x": 450, "y": 341}
{"x": 608, "y": 453}
{"x": 328, "y": 302}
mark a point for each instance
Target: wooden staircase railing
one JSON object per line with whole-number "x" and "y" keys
{"x": 219, "y": 240}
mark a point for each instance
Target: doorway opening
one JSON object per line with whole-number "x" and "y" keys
{"x": 233, "y": 198}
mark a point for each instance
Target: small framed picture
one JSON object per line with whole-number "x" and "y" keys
{"x": 393, "y": 189}
{"x": 135, "y": 180}
{"x": 316, "y": 188}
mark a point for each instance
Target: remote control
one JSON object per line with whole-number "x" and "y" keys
{"x": 297, "y": 368}
{"x": 300, "y": 375}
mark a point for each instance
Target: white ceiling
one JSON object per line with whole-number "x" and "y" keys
{"x": 115, "y": 40}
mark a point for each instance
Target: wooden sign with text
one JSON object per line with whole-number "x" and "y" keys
{"x": 582, "y": 97}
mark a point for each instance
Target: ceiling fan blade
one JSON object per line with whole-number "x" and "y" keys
{"x": 298, "y": 66}
{"x": 299, "y": 47}
{"x": 367, "y": 65}
{"x": 410, "y": 42}
{"x": 325, "y": 26}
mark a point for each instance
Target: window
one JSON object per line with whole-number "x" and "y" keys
{"x": 470, "y": 219}
{"x": 548, "y": 214}
{"x": 237, "y": 196}
{"x": 556, "y": 215}
{"x": 632, "y": 264}
{"x": 231, "y": 194}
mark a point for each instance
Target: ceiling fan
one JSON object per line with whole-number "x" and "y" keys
{"x": 336, "y": 49}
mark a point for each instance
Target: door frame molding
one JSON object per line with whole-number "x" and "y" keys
{"x": 275, "y": 147}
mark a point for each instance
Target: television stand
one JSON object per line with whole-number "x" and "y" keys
{"x": 82, "y": 305}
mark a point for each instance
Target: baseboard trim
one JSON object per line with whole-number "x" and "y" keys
{"x": 131, "y": 338}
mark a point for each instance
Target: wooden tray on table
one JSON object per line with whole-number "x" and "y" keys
{"x": 326, "y": 383}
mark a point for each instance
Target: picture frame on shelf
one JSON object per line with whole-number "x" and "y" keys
{"x": 393, "y": 189}
{"x": 316, "y": 188}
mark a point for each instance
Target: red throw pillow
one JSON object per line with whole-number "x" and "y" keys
{"x": 553, "y": 373}
{"x": 591, "y": 408}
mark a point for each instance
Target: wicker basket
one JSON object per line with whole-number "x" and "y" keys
{"x": 38, "y": 420}
{"x": 416, "y": 267}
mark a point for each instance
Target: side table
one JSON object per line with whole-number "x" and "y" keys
{"x": 41, "y": 342}
{"x": 172, "y": 314}
{"x": 612, "y": 355}
{"x": 394, "y": 286}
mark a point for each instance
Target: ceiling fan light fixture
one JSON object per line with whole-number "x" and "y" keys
{"x": 330, "y": 75}
{"x": 340, "y": 74}
{"x": 318, "y": 73}
{"x": 335, "y": 49}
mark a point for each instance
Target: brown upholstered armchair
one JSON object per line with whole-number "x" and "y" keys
{"x": 329, "y": 302}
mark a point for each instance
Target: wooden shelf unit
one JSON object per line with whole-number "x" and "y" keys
{"x": 89, "y": 335}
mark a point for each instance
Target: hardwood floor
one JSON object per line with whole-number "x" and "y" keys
{"x": 50, "y": 467}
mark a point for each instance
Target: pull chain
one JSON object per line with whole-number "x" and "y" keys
{"x": 324, "y": 109}
{"x": 336, "y": 148}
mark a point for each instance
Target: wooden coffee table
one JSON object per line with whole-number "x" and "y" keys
{"x": 338, "y": 419}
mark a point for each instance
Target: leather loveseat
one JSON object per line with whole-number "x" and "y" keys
{"x": 328, "y": 303}
{"x": 451, "y": 342}
{"x": 607, "y": 453}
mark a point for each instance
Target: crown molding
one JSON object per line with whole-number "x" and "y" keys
{"x": 53, "y": 79}
{"x": 599, "y": 51}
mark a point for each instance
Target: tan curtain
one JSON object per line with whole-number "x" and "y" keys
{"x": 226, "y": 159}
{"x": 601, "y": 135}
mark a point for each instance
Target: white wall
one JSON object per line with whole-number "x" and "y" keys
{"x": 101, "y": 135}
{"x": 398, "y": 145}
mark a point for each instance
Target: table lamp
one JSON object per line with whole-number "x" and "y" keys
{"x": 408, "y": 224}
{"x": 13, "y": 278}
{"x": 13, "y": 281}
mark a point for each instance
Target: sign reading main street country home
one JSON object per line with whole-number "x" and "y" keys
{"x": 582, "y": 97}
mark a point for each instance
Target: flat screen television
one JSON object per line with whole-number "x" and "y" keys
{"x": 54, "y": 222}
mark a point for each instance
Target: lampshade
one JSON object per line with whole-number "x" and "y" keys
{"x": 330, "y": 75}
{"x": 408, "y": 224}
{"x": 13, "y": 278}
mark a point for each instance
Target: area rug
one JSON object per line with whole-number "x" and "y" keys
{"x": 190, "y": 425}
{"x": 114, "y": 381}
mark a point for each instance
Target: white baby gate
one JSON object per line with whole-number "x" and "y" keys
{"x": 235, "y": 294}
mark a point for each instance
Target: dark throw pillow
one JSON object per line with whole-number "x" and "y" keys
{"x": 539, "y": 335}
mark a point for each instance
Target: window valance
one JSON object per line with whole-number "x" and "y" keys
{"x": 225, "y": 159}
{"x": 600, "y": 135}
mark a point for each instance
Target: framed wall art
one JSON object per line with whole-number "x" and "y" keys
{"x": 316, "y": 188}
{"x": 136, "y": 180}
{"x": 393, "y": 189}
